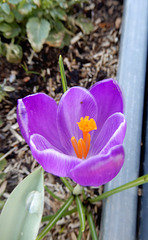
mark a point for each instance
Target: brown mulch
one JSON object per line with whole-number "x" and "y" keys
{"x": 88, "y": 59}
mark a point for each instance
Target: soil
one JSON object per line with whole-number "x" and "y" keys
{"x": 88, "y": 59}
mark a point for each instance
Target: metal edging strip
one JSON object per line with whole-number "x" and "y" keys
{"x": 120, "y": 210}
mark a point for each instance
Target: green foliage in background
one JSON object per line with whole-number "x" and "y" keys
{"x": 48, "y": 21}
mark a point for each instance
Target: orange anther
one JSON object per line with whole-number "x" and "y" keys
{"x": 86, "y": 124}
{"x": 82, "y": 147}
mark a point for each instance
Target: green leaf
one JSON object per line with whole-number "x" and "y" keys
{"x": 55, "y": 38}
{"x": 5, "y": 7}
{"x": 62, "y": 3}
{"x": 85, "y": 24}
{"x": 66, "y": 40}
{"x": 59, "y": 36}
{"x": 81, "y": 212}
{"x": 21, "y": 215}
{"x": 6, "y": 17}
{"x": 37, "y": 31}
{"x": 13, "y": 53}
{"x": 4, "y": 27}
{"x": 26, "y": 8}
{"x": 18, "y": 16}
{"x": 9, "y": 18}
{"x": 14, "y": 1}
{"x": 10, "y": 30}
{"x": 58, "y": 13}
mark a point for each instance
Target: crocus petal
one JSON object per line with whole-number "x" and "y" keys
{"x": 52, "y": 160}
{"x": 77, "y": 102}
{"x": 98, "y": 169}
{"x": 37, "y": 114}
{"x": 109, "y": 99}
{"x": 111, "y": 134}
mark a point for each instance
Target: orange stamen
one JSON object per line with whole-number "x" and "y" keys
{"x": 87, "y": 143}
{"x": 82, "y": 147}
{"x": 75, "y": 145}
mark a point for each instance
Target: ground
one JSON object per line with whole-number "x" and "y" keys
{"x": 89, "y": 58}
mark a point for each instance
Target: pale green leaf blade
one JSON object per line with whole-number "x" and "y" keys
{"x": 21, "y": 215}
{"x": 37, "y": 31}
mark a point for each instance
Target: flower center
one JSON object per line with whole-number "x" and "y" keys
{"x": 82, "y": 147}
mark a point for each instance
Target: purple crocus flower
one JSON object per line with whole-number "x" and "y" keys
{"x": 81, "y": 137}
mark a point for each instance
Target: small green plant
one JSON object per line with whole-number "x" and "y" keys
{"x": 3, "y": 93}
{"x": 24, "y": 66}
{"x": 49, "y": 21}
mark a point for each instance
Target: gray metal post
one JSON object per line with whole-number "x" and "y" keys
{"x": 119, "y": 210}
{"x": 143, "y": 229}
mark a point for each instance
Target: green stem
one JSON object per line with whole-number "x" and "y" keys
{"x": 24, "y": 66}
{"x": 70, "y": 211}
{"x": 55, "y": 218}
{"x": 63, "y": 76}
{"x": 79, "y": 235}
{"x": 47, "y": 218}
{"x": 92, "y": 226}
{"x": 137, "y": 182}
{"x": 67, "y": 184}
{"x": 52, "y": 194}
{"x": 84, "y": 194}
{"x": 81, "y": 212}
